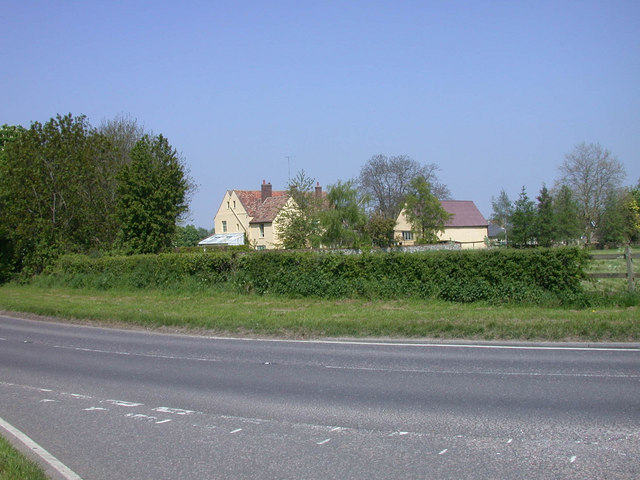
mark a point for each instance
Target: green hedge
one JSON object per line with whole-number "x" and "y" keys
{"x": 167, "y": 270}
{"x": 461, "y": 276}
{"x": 501, "y": 275}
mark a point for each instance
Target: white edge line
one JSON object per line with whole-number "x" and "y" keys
{"x": 40, "y": 452}
{"x": 586, "y": 347}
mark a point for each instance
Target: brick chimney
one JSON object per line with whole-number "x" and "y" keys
{"x": 318, "y": 190}
{"x": 266, "y": 190}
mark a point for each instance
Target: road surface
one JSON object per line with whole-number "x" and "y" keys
{"x": 115, "y": 404}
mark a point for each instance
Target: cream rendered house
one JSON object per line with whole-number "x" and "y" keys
{"x": 251, "y": 215}
{"x": 466, "y": 226}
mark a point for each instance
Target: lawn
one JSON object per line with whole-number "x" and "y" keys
{"x": 227, "y": 313}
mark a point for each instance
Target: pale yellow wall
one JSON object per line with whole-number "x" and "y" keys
{"x": 271, "y": 238}
{"x": 468, "y": 237}
{"x": 234, "y": 214}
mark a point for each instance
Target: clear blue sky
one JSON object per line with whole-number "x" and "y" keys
{"x": 494, "y": 92}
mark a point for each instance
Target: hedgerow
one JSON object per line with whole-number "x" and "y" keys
{"x": 497, "y": 276}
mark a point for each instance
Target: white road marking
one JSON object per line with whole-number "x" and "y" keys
{"x": 122, "y": 403}
{"x": 510, "y": 440}
{"x": 480, "y": 372}
{"x": 324, "y": 441}
{"x": 78, "y": 395}
{"x": 443, "y": 451}
{"x": 236, "y": 430}
{"x": 92, "y": 409}
{"x": 176, "y": 411}
{"x": 44, "y": 455}
{"x": 163, "y": 421}
{"x": 46, "y": 400}
{"x": 572, "y": 459}
{"x": 141, "y": 416}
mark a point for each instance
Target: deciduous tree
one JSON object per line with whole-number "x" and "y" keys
{"x": 592, "y": 173}
{"x": 502, "y": 212}
{"x": 299, "y": 223}
{"x": 56, "y": 179}
{"x": 385, "y": 180}
{"x": 424, "y": 211}
{"x": 343, "y": 220}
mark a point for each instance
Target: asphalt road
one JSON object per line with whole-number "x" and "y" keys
{"x": 113, "y": 404}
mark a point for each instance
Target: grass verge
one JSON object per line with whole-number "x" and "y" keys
{"x": 223, "y": 312}
{"x": 15, "y": 466}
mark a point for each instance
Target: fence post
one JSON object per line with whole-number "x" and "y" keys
{"x": 627, "y": 256}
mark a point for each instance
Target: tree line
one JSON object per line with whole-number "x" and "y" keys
{"x": 588, "y": 204}
{"x": 69, "y": 187}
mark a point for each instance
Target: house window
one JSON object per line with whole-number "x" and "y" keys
{"x": 234, "y": 204}
{"x": 228, "y": 205}
{"x": 262, "y": 230}
{"x": 261, "y": 247}
{"x": 407, "y": 235}
{"x": 224, "y": 226}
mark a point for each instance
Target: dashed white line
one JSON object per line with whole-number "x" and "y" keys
{"x": 122, "y": 403}
{"x": 176, "y": 411}
{"x": 572, "y": 459}
{"x": 91, "y": 409}
{"x": 163, "y": 421}
{"x": 443, "y": 451}
{"x": 236, "y": 430}
{"x": 324, "y": 441}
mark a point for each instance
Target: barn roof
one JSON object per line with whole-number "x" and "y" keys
{"x": 464, "y": 214}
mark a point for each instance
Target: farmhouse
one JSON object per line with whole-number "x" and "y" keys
{"x": 251, "y": 215}
{"x": 466, "y": 226}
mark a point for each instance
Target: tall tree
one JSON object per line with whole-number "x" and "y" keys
{"x": 545, "y": 220}
{"x": 124, "y": 132}
{"x": 8, "y": 133}
{"x": 153, "y": 191}
{"x": 502, "y": 212}
{"x": 424, "y": 211}
{"x": 55, "y": 178}
{"x": 385, "y": 180}
{"x": 344, "y": 219}
{"x": 592, "y": 173}
{"x": 523, "y": 220}
{"x": 567, "y": 216}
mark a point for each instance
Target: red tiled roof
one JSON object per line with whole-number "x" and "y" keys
{"x": 252, "y": 199}
{"x": 465, "y": 214}
{"x": 268, "y": 211}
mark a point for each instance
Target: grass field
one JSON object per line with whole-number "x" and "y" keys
{"x": 227, "y": 313}
{"x": 14, "y": 466}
